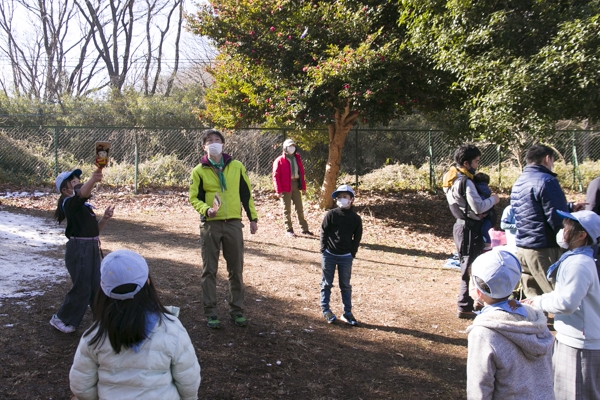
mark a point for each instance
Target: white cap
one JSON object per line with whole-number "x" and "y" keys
{"x": 65, "y": 175}
{"x": 500, "y": 270}
{"x": 588, "y": 219}
{"x": 288, "y": 142}
{"x": 123, "y": 267}
{"x": 342, "y": 188}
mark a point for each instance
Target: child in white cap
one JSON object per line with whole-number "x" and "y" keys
{"x": 83, "y": 254}
{"x": 510, "y": 346}
{"x": 341, "y": 232}
{"x": 135, "y": 349}
{"x": 290, "y": 185}
{"x": 575, "y": 303}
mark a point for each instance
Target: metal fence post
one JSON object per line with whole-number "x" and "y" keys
{"x": 356, "y": 158}
{"x": 576, "y": 174}
{"x": 56, "y": 151}
{"x": 431, "y": 170}
{"x": 499, "y": 166}
{"x": 137, "y": 156}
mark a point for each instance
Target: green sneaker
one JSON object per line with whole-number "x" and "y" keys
{"x": 239, "y": 320}
{"x": 213, "y": 322}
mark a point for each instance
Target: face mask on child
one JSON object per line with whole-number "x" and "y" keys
{"x": 560, "y": 239}
{"x": 343, "y": 203}
{"x": 473, "y": 291}
{"x": 214, "y": 149}
{"x": 290, "y": 149}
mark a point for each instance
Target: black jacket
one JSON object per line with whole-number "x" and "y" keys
{"x": 341, "y": 231}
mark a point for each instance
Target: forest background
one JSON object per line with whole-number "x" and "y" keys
{"x": 495, "y": 73}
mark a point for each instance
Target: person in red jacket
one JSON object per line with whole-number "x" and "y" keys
{"x": 288, "y": 180}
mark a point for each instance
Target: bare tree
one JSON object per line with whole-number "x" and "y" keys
{"x": 24, "y": 58}
{"x": 171, "y": 79}
{"x": 75, "y": 47}
{"x": 108, "y": 22}
{"x": 154, "y": 55}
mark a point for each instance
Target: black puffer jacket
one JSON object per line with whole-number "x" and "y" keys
{"x": 535, "y": 198}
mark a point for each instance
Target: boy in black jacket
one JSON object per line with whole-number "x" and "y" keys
{"x": 341, "y": 232}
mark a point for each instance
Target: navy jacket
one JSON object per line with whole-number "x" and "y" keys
{"x": 535, "y": 198}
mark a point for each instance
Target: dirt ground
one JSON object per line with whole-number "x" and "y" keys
{"x": 409, "y": 344}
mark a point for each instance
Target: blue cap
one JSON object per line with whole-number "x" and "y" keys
{"x": 343, "y": 188}
{"x": 64, "y": 176}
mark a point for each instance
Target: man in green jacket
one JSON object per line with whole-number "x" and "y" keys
{"x": 219, "y": 189}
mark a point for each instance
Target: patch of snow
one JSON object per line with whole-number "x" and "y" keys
{"x": 35, "y": 193}
{"x": 25, "y": 267}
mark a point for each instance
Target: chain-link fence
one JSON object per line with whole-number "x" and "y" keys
{"x": 165, "y": 157}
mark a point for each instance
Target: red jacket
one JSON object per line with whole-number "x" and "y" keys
{"x": 282, "y": 174}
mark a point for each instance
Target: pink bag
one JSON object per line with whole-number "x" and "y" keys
{"x": 498, "y": 237}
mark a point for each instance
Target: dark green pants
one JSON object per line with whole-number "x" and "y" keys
{"x": 229, "y": 235}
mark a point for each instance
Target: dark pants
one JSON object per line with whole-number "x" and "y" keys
{"x": 486, "y": 225}
{"x": 213, "y": 235}
{"x": 344, "y": 266}
{"x": 82, "y": 259}
{"x": 469, "y": 245}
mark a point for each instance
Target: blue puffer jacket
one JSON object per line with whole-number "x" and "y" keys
{"x": 535, "y": 198}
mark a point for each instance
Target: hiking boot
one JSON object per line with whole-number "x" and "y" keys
{"x": 239, "y": 320}
{"x": 290, "y": 234}
{"x": 329, "y": 316}
{"x": 308, "y": 233}
{"x": 349, "y": 319}
{"x": 61, "y": 326}
{"x": 213, "y": 322}
{"x": 466, "y": 314}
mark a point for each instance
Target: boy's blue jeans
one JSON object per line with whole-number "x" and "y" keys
{"x": 344, "y": 266}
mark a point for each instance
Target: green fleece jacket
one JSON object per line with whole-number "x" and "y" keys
{"x": 205, "y": 184}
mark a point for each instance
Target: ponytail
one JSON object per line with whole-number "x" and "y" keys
{"x": 59, "y": 213}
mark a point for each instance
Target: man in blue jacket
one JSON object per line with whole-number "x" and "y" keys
{"x": 536, "y": 197}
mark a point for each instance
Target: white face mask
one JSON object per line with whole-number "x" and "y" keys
{"x": 560, "y": 239}
{"x": 473, "y": 291}
{"x": 214, "y": 149}
{"x": 290, "y": 149}
{"x": 343, "y": 203}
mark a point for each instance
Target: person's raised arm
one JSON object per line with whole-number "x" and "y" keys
{"x": 86, "y": 190}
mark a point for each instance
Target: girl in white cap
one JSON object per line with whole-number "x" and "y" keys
{"x": 289, "y": 183}
{"x": 83, "y": 255}
{"x": 575, "y": 303}
{"x": 135, "y": 349}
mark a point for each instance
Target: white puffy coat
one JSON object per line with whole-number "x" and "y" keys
{"x": 165, "y": 367}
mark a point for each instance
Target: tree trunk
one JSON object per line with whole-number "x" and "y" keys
{"x": 344, "y": 120}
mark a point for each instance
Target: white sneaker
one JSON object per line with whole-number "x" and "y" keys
{"x": 61, "y": 326}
